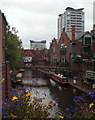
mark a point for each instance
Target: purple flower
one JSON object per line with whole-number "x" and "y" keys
{"x": 6, "y": 101}
{"x": 21, "y": 89}
{"x": 5, "y": 117}
{"x": 21, "y": 105}
{"x": 71, "y": 106}
{"x": 69, "y": 114}
{"x": 12, "y": 89}
{"x": 75, "y": 109}
{"x": 67, "y": 109}
{"x": 8, "y": 105}
{"x": 18, "y": 101}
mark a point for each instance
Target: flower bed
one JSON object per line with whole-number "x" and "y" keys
{"x": 23, "y": 105}
{"x": 84, "y": 107}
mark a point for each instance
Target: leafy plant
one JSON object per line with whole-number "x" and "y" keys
{"x": 22, "y": 105}
{"x": 84, "y": 107}
{"x": 14, "y": 50}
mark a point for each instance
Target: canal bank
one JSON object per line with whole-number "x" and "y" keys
{"x": 78, "y": 84}
{"x": 81, "y": 86}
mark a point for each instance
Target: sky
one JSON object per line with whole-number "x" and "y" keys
{"x": 37, "y": 19}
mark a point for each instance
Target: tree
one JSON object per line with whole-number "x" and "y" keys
{"x": 14, "y": 50}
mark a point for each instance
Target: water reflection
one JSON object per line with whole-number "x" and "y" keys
{"x": 41, "y": 86}
{"x": 52, "y": 82}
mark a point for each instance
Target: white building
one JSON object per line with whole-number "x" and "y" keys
{"x": 71, "y": 17}
{"x": 37, "y": 45}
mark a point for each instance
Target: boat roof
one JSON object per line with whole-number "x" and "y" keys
{"x": 64, "y": 77}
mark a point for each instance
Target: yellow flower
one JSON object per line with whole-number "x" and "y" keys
{"x": 34, "y": 108}
{"x": 90, "y": 105}
{"x": 28, "y": 94}
{"x": 14, "y": 98}
{"x": 30, "y": 97}
{"x": 93, "y": 111}
{"x": 13, "y": 116}
{"x": 30, "y": 102}
{"x": 61, "y": 117}
{"x": 48, "y": 106}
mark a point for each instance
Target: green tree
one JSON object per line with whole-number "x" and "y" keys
{"x": 14, "y": 48}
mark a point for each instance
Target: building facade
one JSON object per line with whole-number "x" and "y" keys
{"x": 71, "y": 17}
{"x": 37, "y": 45}
{"x": 82, "y": 53}
{"x": 3, "y": 24}
{"x": 5, "y": 82}
{"x": 64, "y": 49}
{"x": 54, "y": 52}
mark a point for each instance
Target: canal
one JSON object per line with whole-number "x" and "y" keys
{"x": 42, "y": 86}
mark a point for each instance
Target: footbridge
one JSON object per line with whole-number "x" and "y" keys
{"x": 43, "y": 67}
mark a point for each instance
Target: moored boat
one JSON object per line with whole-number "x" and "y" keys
{"x": 59, "y": 78}
{"x": 18, "y": 79}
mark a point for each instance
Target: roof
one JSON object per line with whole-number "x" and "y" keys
{"x": 82, "y": 34}
{"x": 3, "y": 16}
{"x": 70, "y": 8}
{"x": 42, "y": 41}
{"x": 93, "y": 36}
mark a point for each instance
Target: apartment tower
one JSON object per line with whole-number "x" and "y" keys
{"x": 71, "y": 17}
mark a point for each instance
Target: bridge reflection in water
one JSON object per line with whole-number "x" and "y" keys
{"x": 42, "y": 86}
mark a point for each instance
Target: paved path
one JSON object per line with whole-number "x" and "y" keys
{"x": 81, "y": 86}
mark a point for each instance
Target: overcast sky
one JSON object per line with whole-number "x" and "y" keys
{"x": 37, "y": 19}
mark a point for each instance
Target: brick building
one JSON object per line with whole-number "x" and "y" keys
{"x": 4, "y": 66}
{"x": 47, "y": 55}
{"x": 36, "y": 57}
{"x": 83, "y": 53}
{"x": 77, "y": 53}
{"x": 64, "y": 49}
{"x": 54, "y": 51}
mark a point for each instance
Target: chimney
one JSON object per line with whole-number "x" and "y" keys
{"x": 64, "y": 29}
{"x": 73, "y": 32}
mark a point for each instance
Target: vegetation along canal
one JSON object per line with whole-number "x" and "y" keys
{"x": 42, "y": 86}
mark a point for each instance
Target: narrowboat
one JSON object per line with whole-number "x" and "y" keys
{"x": 18, "y": 79}
{"x": 59, "y": 78}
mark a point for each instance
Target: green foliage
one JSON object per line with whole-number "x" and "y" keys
{"x": 13, "y": 48}
{"x": 84, "y": 107}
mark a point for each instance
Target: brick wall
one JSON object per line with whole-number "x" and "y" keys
{"x": 5, "y": 82}
{"x": 54, "y": 52}
{"x": 6, "y": 85}
{"x": 64, "y": 39}
{"x": 0, "y": 65}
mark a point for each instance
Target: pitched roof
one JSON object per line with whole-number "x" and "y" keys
{"x": 82, "y": 34}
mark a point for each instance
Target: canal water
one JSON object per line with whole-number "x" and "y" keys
{"x": 44, "y": 87}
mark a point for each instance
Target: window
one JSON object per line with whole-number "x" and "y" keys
{"x": 87, "y": 41}
{"x": 63, "y": 49}
{"x": 62, "y": 39}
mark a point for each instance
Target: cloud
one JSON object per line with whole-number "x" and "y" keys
{"x": 37, "y": 19}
